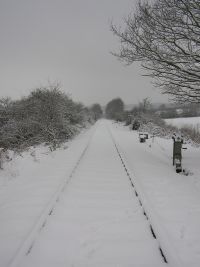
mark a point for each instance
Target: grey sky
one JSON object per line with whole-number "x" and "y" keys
{"x": 67, "y": 41}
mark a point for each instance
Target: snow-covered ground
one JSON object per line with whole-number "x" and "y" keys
{"x": 175, "y": 197}
{"x": 97, "y": 219}
{"x": 27, "y": 185}
{"x": 181, "y": 122}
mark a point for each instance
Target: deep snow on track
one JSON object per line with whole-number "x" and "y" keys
{"x": 27, "y": 185}
{"x": 98, "y": 220}
{"x": 174, "y": 197}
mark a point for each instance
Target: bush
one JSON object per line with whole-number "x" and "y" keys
{"x": 191, "y": 133}
{"x": 157, "y": 126}
{"x": 47, "y": 115}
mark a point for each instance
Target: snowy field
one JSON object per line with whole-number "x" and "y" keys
{"x": 93, "y": 201}
{"x": 181, "y": 122}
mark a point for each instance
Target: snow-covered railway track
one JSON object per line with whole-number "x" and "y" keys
{"x": 136, "y": 193}
{"x": 29, "y": 241}
{"x": 165, "y": 246}
{"x": 98, "y": 221}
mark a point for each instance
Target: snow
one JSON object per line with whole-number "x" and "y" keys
{"x": 97, "y": 220}
{"x": 27, "y": 184}
{"x": 181, "y": 122}
{"x": 175, "y": 197}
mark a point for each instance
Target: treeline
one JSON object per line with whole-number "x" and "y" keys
{"x": 115, "y": 110}
{"x": 176, "y": 111}
{"x": 47, "y": 116}
{"x": 144, "y": 117}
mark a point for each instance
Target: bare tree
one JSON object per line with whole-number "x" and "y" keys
{"x": 165, "y": 38}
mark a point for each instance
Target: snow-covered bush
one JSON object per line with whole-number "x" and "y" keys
{"x": 191, "y": 133}
{"x": 19, "y": 134}
{"x": 157, "y": 127}
{"x": 47, "y": 115}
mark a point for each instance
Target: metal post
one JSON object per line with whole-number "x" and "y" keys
{"x": 177, "y": 152}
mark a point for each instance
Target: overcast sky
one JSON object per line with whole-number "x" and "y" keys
{"x": 68, "y": 41}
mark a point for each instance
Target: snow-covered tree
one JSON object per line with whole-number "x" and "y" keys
{"x": 46, "y": 115}
{"x": 115, "y": 109}
{"x": 164, "y": 35}
{"x": 96, "y": 111}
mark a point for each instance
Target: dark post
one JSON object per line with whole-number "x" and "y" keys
{"x": 177, "y": 153}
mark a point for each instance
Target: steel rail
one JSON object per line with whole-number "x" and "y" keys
{"x": 165, "y": 245}
{"x": 41, "y": 222}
